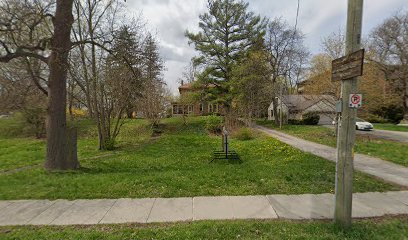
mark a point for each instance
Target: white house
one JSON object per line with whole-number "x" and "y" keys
{"x": 294, "y": 106}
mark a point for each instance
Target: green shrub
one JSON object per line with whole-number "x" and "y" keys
{"x": 311, "y": 118}
{"x": 244, "y": 134}
{"x": 373, "y": 118}
{"x": 157, "y": 130}
{"x": 214, "y": 124}
{"x": 295, "y": 122}
{"x": 109, "y": 144}
{"x": 12, "y": 126}
{"x": 392, "y": 113}
{"x": 35, "y": 119}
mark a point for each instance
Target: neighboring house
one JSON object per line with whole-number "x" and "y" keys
{"x": 295, "y": 106}
{"x": 198, "y": 108}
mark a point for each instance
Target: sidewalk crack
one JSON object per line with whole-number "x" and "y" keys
{"x": 108, "y": 211}
{"x": 151, "y": 209}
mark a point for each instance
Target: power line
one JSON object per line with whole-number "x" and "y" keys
{"x": 297, "y": 14}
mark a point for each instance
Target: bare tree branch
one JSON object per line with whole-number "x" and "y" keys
{"x": 35, "y": 78}
{"x": 21, "y": 53}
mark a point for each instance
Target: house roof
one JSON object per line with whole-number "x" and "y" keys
{"x": 190, "y": 86}
{"x": 186, "y": 86}
{"x": 303, "y": 102}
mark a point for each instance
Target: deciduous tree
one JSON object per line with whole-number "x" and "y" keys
{"x": 389, "y": 41}
{"x": 42, "y": 30}
{"x": 286, "y": 56}
{"x": 27, "y": 33}
{"x": 251, "y": 85}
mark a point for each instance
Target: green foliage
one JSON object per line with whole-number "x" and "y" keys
{"x": 391, "y": 127}
{"x": 391, "y": 112}
{"x": 27, "y": 123}
{"x": 20, "y": 152}
{"x": 244, "y": 134}
{"x": 228, "y": 29}
{"x": 190, "y": 97}
{"x": 251, "y": 85}
{"x": 109, "y": 144}
{"x": 214, "y": 124}
{"x": 310, "y": 118}
{"x": 157, "y": 130}
{"x": 12, "y": 127}
{"x": 296, "y": 122}
{"x": 363, "y": 229}
{"x": 373, "y": 118}
{"x": 35, "y": 119}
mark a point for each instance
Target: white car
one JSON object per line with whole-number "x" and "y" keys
{"x": 363, "y": 125}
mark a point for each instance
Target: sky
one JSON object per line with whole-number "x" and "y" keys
{"x": 169, "y": 19}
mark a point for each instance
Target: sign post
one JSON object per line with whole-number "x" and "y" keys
{"x": 349, "y": 66}
{"x": 347, "y": 69}
{"x": 355, "y": 100}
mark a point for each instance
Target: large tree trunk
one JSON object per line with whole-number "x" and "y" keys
{"x": 71, "y": 99}
{"x": 57, "y": 148}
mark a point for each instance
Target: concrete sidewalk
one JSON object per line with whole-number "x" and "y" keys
{"x": 387, "y": 171}
{"x": 110, "y": 211}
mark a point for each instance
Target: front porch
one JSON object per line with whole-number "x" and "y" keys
{"x": 198, "y": 109}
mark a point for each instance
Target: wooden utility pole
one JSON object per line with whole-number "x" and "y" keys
{"x": 347, "y": 126}
{"x": 281, "y": 110}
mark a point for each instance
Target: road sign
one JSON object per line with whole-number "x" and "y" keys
{"x": 355, "y": 100}
{"x": 348, "y": 66}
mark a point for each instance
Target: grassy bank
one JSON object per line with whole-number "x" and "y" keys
{"x": 175, "y": 164}
{"x": 396, "y": 152}
{"x": 374, "y": 229}
{"x": 390, "y": 127}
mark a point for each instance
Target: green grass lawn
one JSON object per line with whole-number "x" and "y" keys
{"x": 390, "y": 127}
{"x": 176, "y": 164}
{"x": 396, "y": 228}
{"x": 396, "y": 152}
{"x": 16, "y": 153}
{"x": 19, "y": 149}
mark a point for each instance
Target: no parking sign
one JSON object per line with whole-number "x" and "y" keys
{"x": 355, "y": 100}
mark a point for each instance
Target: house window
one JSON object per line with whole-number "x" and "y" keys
{"x": 174, "y": 109}
{"x": 180, "y": 109}
{"x": 201, "y": 107}
{"x": 213, "y": 108}
{"x": 210, "y": 108}
{"x": 190, "y": 109}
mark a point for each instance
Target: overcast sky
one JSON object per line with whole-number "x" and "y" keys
{"x": 317, "y": 18}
